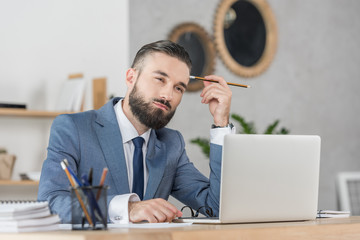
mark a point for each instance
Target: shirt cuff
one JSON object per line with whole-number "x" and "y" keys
{"x": 217, "y": 134}
{"x": 119, "y": 207}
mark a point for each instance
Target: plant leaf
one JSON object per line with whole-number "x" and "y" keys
{"x": 283, "y": 131}
{"x": 271, "y": 127}
{"x": 247, "y": 127}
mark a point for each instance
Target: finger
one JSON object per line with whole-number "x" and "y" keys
{"x": 210, "y": 86}
{"x": 144, "y": 210}
{"x": 159, "y": 209}
{"x": 160, "y": 216}
{"x": 169, "y": 210}
{"x": 214, "y": 94}
{"x": 179, "y": 214}
{"x": 168, "y": 205}
{"x": 207, "y": 83}
{"x": 155, "y": 210}
{"x": 151, "y": 219}
{"x": 217, "y": 78}
{"x": 165, "y": 215}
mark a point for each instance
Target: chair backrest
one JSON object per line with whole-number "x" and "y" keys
{"x": 348, "y": 190}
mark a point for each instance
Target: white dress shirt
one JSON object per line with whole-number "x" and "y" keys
{"x": 118, "y": 206}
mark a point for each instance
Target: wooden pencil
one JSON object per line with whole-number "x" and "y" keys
{"x": 228, "y": 83}
{"x": 102, "y": 180}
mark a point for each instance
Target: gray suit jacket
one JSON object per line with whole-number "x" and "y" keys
{"x": 93, "y": 139}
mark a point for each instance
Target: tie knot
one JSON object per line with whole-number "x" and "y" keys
{"x": 138, "y": 142}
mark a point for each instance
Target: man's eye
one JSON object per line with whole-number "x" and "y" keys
{"x": 160, "y": 79}
{"x": 179, "y": 89}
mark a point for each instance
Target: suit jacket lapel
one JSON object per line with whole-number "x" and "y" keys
{"x": 156, "y": 163}
{"x": 110, "y": 140}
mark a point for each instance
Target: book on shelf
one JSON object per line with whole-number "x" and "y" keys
{"x": 30, "y": 176}
{"x": 71, "y": 95}
{"x": 27, "y": 216}
{"x": 12, "y": 105}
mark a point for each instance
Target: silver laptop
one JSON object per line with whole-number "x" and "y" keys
{"x": 268, "y": 178}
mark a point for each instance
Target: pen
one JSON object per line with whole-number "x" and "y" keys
{"x": 228, "y": 83}
{"x": 77, "y": 193}
{"x": 90, "y": 179}
{"x": 72, "y": 173}
{"x": 95, "y": 209}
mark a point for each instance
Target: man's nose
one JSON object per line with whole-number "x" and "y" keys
{"x": 167, "y": 93}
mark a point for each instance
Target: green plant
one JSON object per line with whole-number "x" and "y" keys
{"x": 245, "y": 128}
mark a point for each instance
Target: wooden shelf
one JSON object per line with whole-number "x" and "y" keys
{"x": 13, "y": 112}
{"x": 18, "y": 183}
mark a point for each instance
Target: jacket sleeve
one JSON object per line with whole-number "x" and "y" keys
{"x": 54, "y": 185}
{"x": 192, "y": 188}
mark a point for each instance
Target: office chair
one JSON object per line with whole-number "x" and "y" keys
{"x": 348, "y": 190}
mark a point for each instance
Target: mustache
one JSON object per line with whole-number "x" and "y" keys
{"x": 162, "y": 101}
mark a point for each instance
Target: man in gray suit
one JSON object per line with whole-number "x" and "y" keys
{"x": 109, "y": 137}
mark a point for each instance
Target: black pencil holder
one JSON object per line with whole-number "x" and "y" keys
{"x": 89, "y": 208}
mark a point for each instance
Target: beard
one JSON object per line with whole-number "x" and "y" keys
{"x": 146, "y": 113}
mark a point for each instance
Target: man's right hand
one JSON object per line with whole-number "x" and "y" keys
{"x": 154, "y": 211}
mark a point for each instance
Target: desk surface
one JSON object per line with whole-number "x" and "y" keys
{"x": 344, "y": 228}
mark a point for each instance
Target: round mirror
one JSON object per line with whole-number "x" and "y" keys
{"x": 245, "y": 35}
{"x": 198, "y": 44}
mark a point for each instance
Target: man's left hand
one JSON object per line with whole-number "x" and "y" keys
{"x": 218, "y": 96}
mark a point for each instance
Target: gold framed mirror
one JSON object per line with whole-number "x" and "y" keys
{"x": 245, "y": 35}
{"x": 200, "y": 47}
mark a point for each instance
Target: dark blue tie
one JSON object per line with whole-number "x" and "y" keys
{"x": 138, "y": 168}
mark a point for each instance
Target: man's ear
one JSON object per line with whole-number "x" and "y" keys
{"x": 130, "y": 77}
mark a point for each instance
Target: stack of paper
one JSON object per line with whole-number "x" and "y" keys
{"x": 27, "y": 217}
{"x": 332, "y": 214}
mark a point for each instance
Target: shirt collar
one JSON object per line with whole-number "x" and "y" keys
{"x": 128, "y": 131}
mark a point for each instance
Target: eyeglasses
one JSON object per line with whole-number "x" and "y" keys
{"x": 208, "y": 211}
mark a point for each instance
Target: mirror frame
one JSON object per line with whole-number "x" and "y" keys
{"x": 270, "y": 45}
{"x": 207, "y": 43}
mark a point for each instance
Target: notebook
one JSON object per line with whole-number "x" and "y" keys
{"x": 268, "y": 178}
{"x": 15, "y": 210}
{"x": 27, "y": 216}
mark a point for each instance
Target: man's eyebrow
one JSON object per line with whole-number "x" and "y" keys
{"x": 161, "y": 73}
{"x": 183, "y": 85}
{"x": 166, "y": 75}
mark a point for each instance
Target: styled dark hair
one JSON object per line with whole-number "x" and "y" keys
{"x": 164, "y": 46}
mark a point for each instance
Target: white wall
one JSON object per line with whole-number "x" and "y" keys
{"x": 41, "y": 43}
{"x": 311, "y": 86}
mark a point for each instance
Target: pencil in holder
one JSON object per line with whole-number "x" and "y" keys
{"x": 89, "y": 208}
